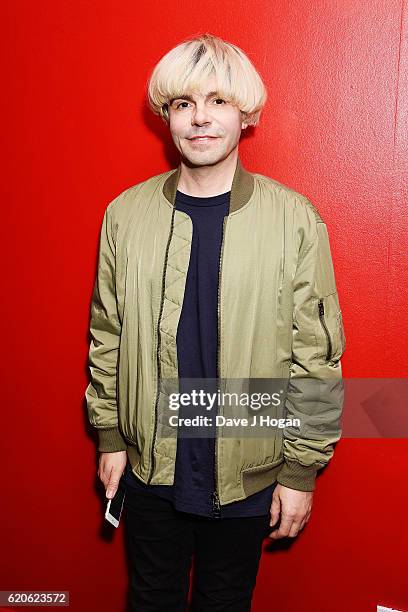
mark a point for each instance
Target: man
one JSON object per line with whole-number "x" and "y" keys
{"x": 211, "y": 272}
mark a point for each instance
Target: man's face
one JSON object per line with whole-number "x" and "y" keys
{"x": 204, "y": 113}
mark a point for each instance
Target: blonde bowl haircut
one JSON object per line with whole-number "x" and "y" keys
{"x": 185, "y": 67}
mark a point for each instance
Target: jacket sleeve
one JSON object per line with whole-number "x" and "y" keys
{"x": 315, "y": 391}
{"x": 105, "y": 329}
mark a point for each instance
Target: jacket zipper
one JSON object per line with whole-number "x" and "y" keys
{"x": 158, "y": 346}
{"x": 323, "y": 322}
{"x": 215, "y": 498}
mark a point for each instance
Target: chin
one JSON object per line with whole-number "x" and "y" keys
{"x": 203, "y": 159}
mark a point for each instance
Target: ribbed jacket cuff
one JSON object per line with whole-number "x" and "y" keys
{"x": 297, "y": 476}
{"x": 111, "y": 440}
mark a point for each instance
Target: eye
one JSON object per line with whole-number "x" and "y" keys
{"x": 219, "y": 100}
{"x": 180, "y": 103}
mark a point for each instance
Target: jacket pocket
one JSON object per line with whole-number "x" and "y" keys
{"x": 329, "y": 330}
{"x": 330, "y": 335}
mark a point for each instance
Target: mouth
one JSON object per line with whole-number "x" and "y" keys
{"x": 196, "y": 139}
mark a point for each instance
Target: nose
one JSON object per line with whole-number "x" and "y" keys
{"x": 200, "y": 115}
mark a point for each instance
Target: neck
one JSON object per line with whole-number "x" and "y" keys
{"x": 207, "y": 181}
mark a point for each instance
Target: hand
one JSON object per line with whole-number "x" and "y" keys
{"x": 294, "y": 507}
{"x": 111, "y": 468}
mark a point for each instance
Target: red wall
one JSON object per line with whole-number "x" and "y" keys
{"x": 76, "y": 133}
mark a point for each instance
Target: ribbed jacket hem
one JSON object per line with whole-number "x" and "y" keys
{"x": 111, "y": 440}
{"x": 297, "y": 476}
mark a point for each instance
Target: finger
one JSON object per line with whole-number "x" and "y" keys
{"x": 283, "y": 530}
{"x": 294, "y": 530}
{"x": 103, "y": 476}
{"x": 113, "y": 483}
{"x": 305, "y": 520}
{"x": 275, "y": 510}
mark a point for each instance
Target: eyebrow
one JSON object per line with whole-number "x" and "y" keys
{"x": 190, "y": 98}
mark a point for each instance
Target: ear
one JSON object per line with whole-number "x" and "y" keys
{"x": 244, "y": 117}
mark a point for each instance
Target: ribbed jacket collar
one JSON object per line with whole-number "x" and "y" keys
{"x": 241, "y": 189}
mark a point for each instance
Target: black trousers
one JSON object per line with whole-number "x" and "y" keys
{"x": 160, "y": 543}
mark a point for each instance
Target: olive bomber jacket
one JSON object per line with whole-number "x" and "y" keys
{"x": 278, "y": 318}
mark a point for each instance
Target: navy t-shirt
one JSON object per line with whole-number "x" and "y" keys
{"x": 197, "y": 342}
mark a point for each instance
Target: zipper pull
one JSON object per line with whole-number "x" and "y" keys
{"x": 321, "y": 308}
{"x": 216, "y": 505}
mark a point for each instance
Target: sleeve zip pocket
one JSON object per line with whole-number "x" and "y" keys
{"x": 326, "y": 331}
